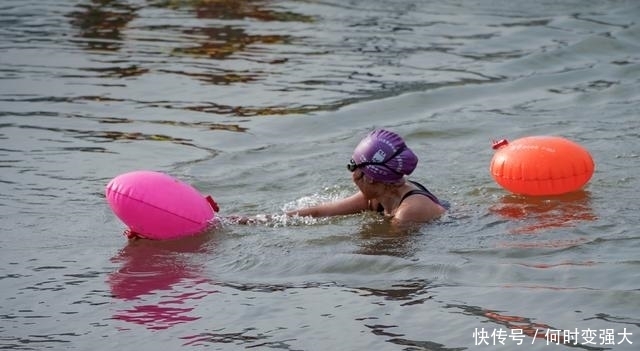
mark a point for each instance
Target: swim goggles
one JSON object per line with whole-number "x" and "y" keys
{"x": 352, "y": 165}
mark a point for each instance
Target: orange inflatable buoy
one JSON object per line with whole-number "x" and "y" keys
{"x": 541, "y": 165}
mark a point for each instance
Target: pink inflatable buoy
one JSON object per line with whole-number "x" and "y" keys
{"x": 157, "y": 206}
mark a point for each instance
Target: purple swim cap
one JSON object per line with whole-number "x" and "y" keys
{"x": 384, "y": 157}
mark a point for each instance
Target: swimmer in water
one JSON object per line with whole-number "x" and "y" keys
{"x": 379, "y": 168}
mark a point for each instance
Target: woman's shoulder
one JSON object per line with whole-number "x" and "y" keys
{"x": 419, "y": 209}
{"x": 420, "y": 189}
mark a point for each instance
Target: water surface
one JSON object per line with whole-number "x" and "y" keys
{"x": 260, "y": 104}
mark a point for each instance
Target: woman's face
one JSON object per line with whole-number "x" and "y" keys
{"x": 357, "y": 174}
{"x": 363, "y": 183}
{"x": 369, "y": 188}
{"x": 358, "y": 178}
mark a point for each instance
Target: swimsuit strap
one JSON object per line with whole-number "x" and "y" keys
{"x": 422, "y": 190}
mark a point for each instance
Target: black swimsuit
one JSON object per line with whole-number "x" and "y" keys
{"x": 422, "y": 190}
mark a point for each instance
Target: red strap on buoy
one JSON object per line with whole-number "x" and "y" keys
{"x": 131, "y": 235}
{"x": 214, "y": 205}
{"x": 496, "y": 144}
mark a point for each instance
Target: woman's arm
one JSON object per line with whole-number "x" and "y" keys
{"x": 350, "y": 205}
